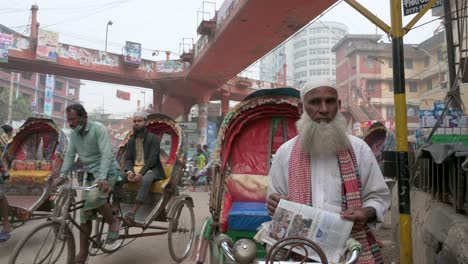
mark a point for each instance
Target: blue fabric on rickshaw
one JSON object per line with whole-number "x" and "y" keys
{"x": 247, "y": 216}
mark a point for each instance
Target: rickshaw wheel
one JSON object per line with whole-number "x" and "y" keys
{"x": 47, "y": 244}
{"x": 181, "y": 231}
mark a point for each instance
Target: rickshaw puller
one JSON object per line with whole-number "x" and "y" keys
{"x": 90, "y": 140}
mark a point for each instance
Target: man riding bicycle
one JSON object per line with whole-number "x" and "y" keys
{"x": 90, "y": 140}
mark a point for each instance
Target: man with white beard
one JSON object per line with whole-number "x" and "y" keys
{"x": 326, "y": 168}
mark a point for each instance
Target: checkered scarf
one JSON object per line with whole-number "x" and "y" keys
{"x": 300, "y": 192}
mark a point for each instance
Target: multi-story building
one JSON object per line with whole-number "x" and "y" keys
{"x": 364, "y": 78}
{"x": 32, "y": 87}
{"x": 310, "y": 55}
{"x": 304, "y": 57}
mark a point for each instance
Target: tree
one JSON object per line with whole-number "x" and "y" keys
{"x": 21, "y": 107}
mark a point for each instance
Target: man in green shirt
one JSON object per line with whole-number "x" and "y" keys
{"x": 90, "y": 140}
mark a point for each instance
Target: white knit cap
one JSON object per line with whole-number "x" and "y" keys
{"x": 309, "y": 86}
{"x": 141, "y": 114}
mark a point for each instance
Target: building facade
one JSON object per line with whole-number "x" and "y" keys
{"x": 304, "y": 57}
{"x": 32, "y": 87}
{"x": 364, "y": 78}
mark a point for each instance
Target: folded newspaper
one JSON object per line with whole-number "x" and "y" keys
{"x": 327, "y": 229}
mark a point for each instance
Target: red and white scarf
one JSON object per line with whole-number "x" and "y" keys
{"x": 300, "y": 192}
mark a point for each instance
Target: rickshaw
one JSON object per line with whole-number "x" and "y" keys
{"x": 33, "y": 155}
{"x": 248, "y": 138}
{"x": 171, "y": 210}
{"x": 165, "y": 204}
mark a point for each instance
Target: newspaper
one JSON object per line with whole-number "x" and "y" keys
{"x": 327, "y": 229}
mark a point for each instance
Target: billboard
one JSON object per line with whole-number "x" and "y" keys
{"x": 49, "y": 94}
{"x": 47, "y": 46}
{"x": 132, "y": 53}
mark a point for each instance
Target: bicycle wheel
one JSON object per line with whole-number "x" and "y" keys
{"x": 101, "y": 235}
{"x": 45, "y": 244}
{"x": 181, "y": 230}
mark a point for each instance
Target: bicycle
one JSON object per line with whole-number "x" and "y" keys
{"x": 53, "y": 241}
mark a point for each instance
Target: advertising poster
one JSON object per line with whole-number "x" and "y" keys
{"x": 5, "y": 43}
{"x": 211, "y": 135}
{"x": 132, "y": 53}
{"x": 3, "y": 52}
{"x": 47, "y": 46}
{"x": 49, "y": 94}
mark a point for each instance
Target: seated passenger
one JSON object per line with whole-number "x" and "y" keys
{"x": 142, "y": 163}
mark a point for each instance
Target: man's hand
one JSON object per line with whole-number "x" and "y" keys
{"x": 138, "y": 177}
{"x": 130, "y": 176}
{"x": 360, "y": 216}
{"x": 273, "y": 201}
{"x": 103, "y": 185}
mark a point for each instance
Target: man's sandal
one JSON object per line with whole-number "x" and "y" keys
{"x": 4, "y": 236}
{"x": 113, "y": 236}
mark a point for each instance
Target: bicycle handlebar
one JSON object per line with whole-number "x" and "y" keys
{"x": 83, "y": 188}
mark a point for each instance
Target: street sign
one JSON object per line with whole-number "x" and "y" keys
{"x": 414, "y": 6}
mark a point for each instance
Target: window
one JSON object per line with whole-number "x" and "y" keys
{"x": 300, "y": 74}
{"x": 390, "y": 63}
{"x": 26, "y": 96}
{"x": 440, "y": 55}
{"x": 409, "y": 64}
{"x": 58, "y": 85}
{"x": 300, "y": 54}
{"x": 71, "y": 90}
{"x": 370, "y": 62}
{"x": 42, "y": 79}
{"x": 390, "y": 109}
{"x": 26, "y": 75}
{"x": 429, "y": 84}
{"x": 300, "y": 64}
{"x": 57, "y": 107}
{"x": 413, "y": 87}
{"x": 370, "y": 86}
{"x": 427, "y": 61}
{"x": 300, "y": 44}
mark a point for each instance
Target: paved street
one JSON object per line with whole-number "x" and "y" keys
{"x": 142, "y": 250}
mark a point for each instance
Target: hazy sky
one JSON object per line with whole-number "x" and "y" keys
{"x": 157, "y": 25}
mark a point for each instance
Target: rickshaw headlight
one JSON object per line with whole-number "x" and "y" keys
{"x": 244, "y": 251}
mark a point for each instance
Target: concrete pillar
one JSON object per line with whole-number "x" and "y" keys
{"x": 157, "y": 101}
{"x": 225, "y": 103}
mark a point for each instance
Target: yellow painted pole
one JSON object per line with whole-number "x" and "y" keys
{"x": 406, "y": 249}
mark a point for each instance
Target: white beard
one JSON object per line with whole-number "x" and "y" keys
{"x": 322, "y": 137}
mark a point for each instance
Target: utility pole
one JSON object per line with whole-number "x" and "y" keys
{"x": 450, "y": 51}
{"x": 10, "y": 98}
{"x": 397, "y": 32}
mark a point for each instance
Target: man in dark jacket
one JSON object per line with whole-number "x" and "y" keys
{"x": 142, "y": 163}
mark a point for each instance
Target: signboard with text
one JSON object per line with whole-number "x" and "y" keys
{"x": 49, "y": 94}
{"x": 414, "y": 6}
